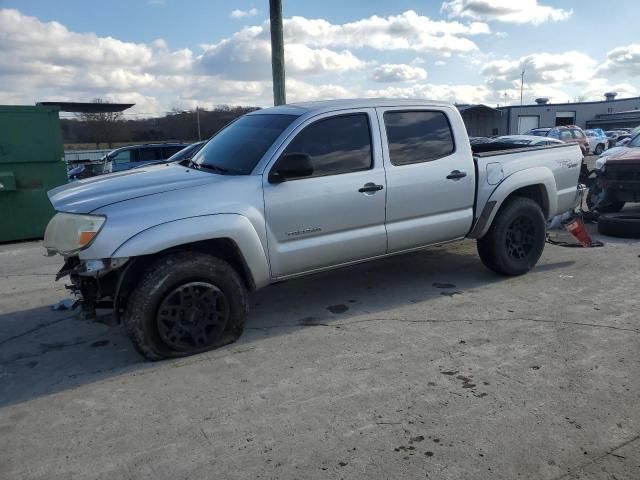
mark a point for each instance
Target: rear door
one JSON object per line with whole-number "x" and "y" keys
{"x": 430, "y": 176}
{"x": 331, "y": 217}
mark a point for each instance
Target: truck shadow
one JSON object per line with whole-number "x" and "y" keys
{"x": 48, "y": 352}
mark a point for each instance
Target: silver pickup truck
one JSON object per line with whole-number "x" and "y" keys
{"x": 292, "y": 190}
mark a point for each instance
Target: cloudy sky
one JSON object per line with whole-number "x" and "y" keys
{"x": 167, "y": 54}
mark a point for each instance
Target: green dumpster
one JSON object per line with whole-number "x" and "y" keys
{"x": 31, "y": 163}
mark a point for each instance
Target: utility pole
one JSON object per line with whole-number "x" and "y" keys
{"x": 198, "y": 118}
{"x": 277, "y": 52}
{"x": 521, "y": 86}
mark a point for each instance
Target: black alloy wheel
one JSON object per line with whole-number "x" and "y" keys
{"x": 520, "y": 237}
{"x": 192, "y": 316}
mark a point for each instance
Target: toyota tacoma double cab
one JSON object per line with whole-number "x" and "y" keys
{"x": 292, "y": 190}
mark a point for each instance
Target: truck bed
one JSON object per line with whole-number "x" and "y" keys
{"x": 562, "y": 161}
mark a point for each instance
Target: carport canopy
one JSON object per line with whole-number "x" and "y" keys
{"x": 87, "y": 107}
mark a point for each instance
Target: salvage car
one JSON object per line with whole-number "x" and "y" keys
{"x": 618, "y": 179}
{"x": 290, "y": 191}
{"x": 134, "y": 156}
{"x": 186, "y": 153}
{"x": 566, "y": 134}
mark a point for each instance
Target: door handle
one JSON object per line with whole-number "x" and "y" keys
{"x": 456, "y": 175}
{"x": 370, "y": 187}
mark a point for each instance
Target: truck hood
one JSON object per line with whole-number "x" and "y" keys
{"x": 608, "y": 154}
{"x": 85, "y": 196}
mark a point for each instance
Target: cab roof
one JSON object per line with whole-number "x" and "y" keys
{"x": 344, "y": 104}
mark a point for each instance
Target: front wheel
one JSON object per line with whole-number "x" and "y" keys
{"x": 516, "y": 239}
{"x": 599, "y": 149}
{"x": 186, "y": 303}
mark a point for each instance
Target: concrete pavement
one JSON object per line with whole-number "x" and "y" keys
{"x": 420, "y": 366}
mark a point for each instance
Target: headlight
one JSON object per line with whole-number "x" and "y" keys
{"x": 68, "y": 232}
{"x": 600, "y": 163}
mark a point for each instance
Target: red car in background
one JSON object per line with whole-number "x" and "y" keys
{"x": 566, "y": 134}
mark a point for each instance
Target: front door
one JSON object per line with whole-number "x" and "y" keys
{"x": 337, "y": 214}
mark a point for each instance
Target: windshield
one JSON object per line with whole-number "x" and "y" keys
{"x": 186, "y": 153}
{"x": 240, "y": 145}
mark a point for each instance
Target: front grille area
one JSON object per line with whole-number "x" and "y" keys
{"x": 622, "y": 172}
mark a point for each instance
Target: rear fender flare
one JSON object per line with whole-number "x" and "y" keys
{"x": 524, "y": 178}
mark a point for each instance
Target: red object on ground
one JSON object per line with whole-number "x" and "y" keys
{"x": 576, "y": 228}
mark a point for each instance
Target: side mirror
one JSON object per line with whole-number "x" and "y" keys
{"x": 291, "y": 165}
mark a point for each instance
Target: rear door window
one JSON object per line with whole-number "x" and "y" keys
{"x": 418, "y": 136}
{"x": 336, "y": 145}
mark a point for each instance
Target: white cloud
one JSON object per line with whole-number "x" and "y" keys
{"x": 622, "y": 60}
{"x": 543, "y": 68}
{"x": 562, "y": 77}
{"x": 46, "y": 61}
{"x": 407, "y": 31}
{"x": 247, "y": 56}
{"x": 389, "y": 72}
{"x": 598, "y": 86}
{"x": 298, "y": 91}
{"x": 450, "y": 93}
{"x": 510, "y": 11}
{"x": 237, "y": 13}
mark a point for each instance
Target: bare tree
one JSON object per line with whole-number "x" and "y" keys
{"x": 103, "y": 126}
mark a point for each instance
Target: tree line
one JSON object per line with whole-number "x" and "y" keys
{"x": 105, "y": 129}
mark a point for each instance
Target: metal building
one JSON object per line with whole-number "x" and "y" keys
{"x": 604, "y": 114}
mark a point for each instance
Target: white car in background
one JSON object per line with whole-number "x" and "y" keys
{"x": 598, "y": 141}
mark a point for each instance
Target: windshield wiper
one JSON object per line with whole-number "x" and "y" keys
{"x": 214, "y": 168}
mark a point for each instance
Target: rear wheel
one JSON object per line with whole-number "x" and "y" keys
{"x": 599, "y": 149}
{"x": 186, "y": 303}
{"x": 516, "y": 239}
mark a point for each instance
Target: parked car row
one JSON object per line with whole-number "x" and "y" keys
{"x": 618, "y": 138}
{"x": 566, "y": 134}
{"x": 134, "y": 156}
{"x": 125, "y": 158}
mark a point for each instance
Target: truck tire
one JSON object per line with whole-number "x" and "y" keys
{"x": 516, "y": 238}
{"x": 621, "y": 225}
{"x": 186, "y": 303}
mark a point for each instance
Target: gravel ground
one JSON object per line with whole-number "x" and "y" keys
{"x": 420, "y": 366}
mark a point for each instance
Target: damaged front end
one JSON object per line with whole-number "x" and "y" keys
{"x": 95, "y": 283}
